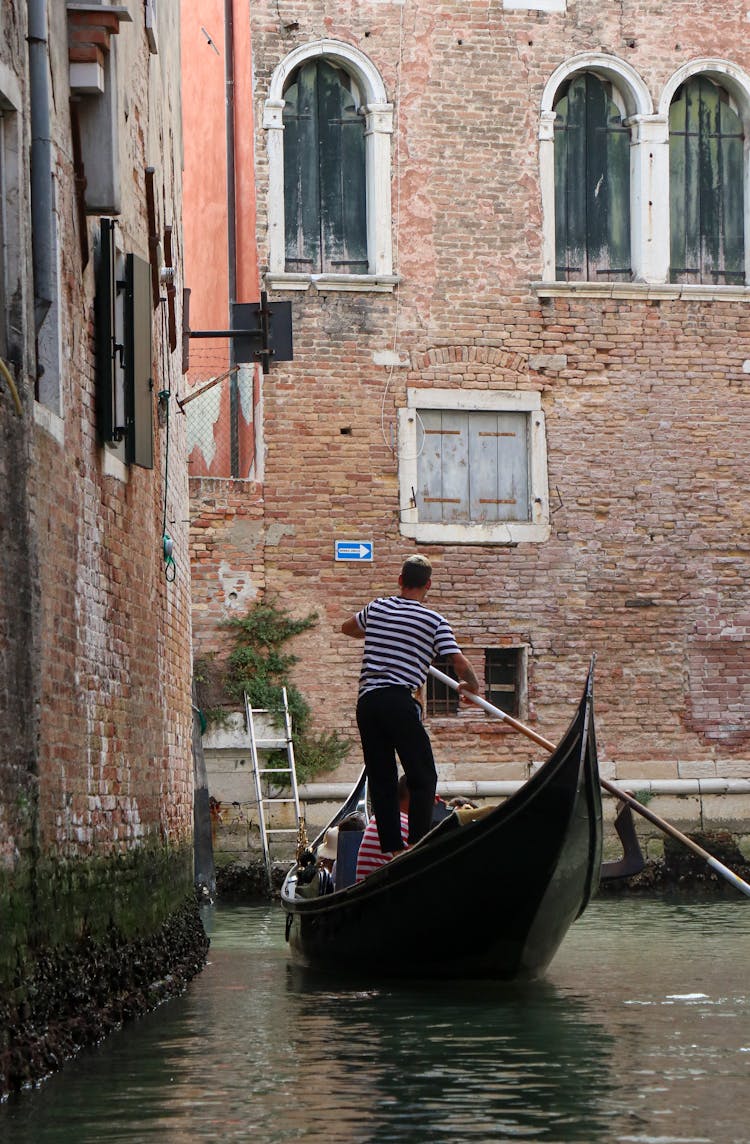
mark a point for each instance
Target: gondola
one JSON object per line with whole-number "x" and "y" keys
{"x": 488, "y": 893}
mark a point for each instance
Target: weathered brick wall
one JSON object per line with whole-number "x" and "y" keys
{"x": 115, "y": 761}
{"x": 646, "y": 414}
{"x": 227, "y": 557}
{"x": 96, "y": 776}
{"x": 19, "y": 583}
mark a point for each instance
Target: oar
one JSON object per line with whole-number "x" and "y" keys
{"x": 661, "y": 823}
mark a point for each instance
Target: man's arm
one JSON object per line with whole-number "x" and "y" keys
{"x": 350, "y": 627}
{"x": 465, "y": 673}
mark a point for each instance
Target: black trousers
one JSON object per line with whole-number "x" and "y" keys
{"x": 390, "y": 723}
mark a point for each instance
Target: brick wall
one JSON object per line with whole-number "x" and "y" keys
{"x": 95, "y": 672}
{"x": 644, "y": 398}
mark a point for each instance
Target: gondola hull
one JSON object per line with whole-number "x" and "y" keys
{"x": 489, "y": 898}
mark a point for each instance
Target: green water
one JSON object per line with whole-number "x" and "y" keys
{"x": 639, "y": 1033}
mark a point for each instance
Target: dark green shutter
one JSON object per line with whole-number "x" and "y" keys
{"x": 106, "y": 399}
{"x": 706, "y": 186}
{"x": 139, "y": 386}
{"x": 592, "y": 185}
{"x": 301, "y": 189}
{"x": 324, "y": 174}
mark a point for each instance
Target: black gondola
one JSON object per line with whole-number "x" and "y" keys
{"x": 488, "y": 893}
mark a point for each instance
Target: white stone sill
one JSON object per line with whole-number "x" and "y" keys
{"x": 502, "y": 535}
{"x": 642, "y": 291}
{"x": 323, "y": 283}
{"x": 50, "y": 422}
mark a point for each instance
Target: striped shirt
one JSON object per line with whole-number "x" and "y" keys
{"x": 402, "y": 637}
{"x": 370, "y": 856}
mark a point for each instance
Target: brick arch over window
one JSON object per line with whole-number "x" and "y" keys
{"x": 624, "y": 92}
{"x": 361, "y": 93}
{"x": 707, "y": 105}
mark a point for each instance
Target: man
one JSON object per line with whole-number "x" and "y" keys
{"x": 370, "y": 856}
{"x": 402, "y": 637}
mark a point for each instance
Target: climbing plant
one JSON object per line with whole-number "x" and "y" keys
{"x": 258, "y": 666}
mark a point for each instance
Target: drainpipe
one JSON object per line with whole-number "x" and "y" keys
{"x": 41, "y": 161}
{"x": 231, "y": 230}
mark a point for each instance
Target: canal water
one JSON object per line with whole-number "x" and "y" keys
{"x": 640, "y": 1032}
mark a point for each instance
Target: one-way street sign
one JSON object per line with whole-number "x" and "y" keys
{"x": 353, "y": 549}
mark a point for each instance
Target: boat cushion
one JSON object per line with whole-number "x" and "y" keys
{"x": 346, "y": 857}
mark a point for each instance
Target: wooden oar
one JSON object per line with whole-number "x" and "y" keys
{"x": 623, "y": 796}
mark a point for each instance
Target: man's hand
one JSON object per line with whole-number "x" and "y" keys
{"x": 465, "y": 672}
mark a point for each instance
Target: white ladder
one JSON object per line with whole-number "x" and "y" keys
{"x": 264, "y": 801}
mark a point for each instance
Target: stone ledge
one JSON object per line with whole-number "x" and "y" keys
{"x": 642, "y": 291}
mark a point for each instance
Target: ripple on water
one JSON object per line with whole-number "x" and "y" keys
{"x": 639, "y": 1033}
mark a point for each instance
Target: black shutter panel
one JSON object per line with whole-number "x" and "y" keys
{"x": 138, "y": 372}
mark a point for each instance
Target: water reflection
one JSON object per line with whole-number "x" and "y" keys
{"x": 472, "y": 1061}
{"x": 639, "y": 1033}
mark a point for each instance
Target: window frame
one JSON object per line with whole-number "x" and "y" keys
{"x": 589, "y": 207}
{"x": 324, "y": 172}
{"x": 440, "y": 700}
{"x": 378, "y": 114}
{"x": 506, "y": 532}
{"x": 649, "y": 185}
{"x": 519, "y": 653}
{"x": 705, "y": 275}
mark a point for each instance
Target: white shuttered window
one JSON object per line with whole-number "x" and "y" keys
{"x": 473, "y": 467}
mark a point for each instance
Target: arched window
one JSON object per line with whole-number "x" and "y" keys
{"x": 706, "y": 182}
{"x": 328, "y": 127}
{"x": 325, "y": 204}
{"x": 592, "y": 182}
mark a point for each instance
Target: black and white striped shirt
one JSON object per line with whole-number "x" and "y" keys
{"x": 402, "y": 637}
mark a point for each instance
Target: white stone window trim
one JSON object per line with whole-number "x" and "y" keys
{"x": 328, "y": 283}
{"x": 378, "y": 130}
{"x": 643, "y": 291}
{"x": 649, "y": 176}
{"x": 737, "y": 83}
{"x": 643, "y": 131}
{"x": 509, "y": 532}
{"x": 535, "y": 5}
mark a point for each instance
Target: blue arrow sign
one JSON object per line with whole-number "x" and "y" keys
{"x": 353, "y": 549}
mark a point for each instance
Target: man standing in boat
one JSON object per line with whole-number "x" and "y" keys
{"x": 402, "y": 638}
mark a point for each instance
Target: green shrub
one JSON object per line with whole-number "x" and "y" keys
{"x": 258, "y": 667}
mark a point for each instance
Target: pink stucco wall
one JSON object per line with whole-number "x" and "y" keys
{"x": 205, "y": 176}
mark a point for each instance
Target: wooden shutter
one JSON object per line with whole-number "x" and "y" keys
{"x": 324, "y": 174}
{"x": 706, "y": 186}
{"x": 342, "y": 175}
{"x": 498, "y": 464}
{"x": 301, "y": 175}
{"x": 138, "y": 365}
{"x": 473, "y": 467}
{"x": 592, "y": 185}
{"x": 106, "y": 378}
{"x": 501, "y": 678}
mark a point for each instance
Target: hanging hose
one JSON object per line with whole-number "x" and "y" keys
{"x": 12, "y": 387}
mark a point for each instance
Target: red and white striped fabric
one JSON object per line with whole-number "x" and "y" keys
{"x": 370, "y": 856}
